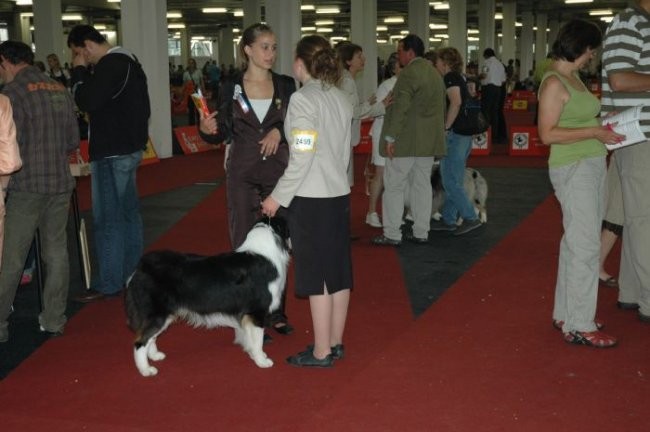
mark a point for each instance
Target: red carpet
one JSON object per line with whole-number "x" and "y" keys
{"x": 483, "y": 358}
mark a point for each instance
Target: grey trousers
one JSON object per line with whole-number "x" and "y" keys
{"x": 580, "y": 189}
{"x": 407, "y": 180}
{"x": 27, "y": 212}
{"x": 633, "y": 164}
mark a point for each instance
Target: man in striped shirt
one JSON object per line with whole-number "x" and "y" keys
{"x": 626, "y": 83}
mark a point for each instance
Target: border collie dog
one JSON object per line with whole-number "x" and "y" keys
{"x": 236, "y": 289}
{"x": 475, "y": 186}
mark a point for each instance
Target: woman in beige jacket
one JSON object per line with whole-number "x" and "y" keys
{"x": 315, "y": 189}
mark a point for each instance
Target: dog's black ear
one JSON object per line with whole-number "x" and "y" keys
{"x": 280, "y": 226}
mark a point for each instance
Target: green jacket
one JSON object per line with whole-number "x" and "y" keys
{"x": 416, "y": 118}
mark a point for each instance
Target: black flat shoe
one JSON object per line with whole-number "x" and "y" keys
{"x": 627, "y": 306}
{"x": 285, "y": 329}
{"x": 307, "y": 359}
{"x": 338, "y": 351}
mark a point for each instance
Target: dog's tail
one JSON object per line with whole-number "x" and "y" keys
{"x": 481, "y": 194}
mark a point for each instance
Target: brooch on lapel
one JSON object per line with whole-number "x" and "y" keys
{"x": 237, "y": 95}
{"x": 278, "y": 104}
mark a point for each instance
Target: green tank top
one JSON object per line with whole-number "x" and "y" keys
{"x": 581, "y": 110}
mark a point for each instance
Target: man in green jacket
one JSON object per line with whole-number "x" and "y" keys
{"x": 413, "y": 133}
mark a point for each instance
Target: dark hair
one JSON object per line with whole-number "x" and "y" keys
{"x": 82, "y": 33}
{"x": 452, "y": 58}
{"x": 346, "y": 51}
{"x": 413, "y": 42}
{"x": 431, "y": 56}
{"x": 574, "y": 38}
{"x": 389, "y": 70}
{"x": 488, "y": 52}
{"x": 16, "y": 52}
{"x": 248, "y": 37}
{"x": 319, "y": 58}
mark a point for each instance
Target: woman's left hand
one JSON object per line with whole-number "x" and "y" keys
{"x": 269, "y": 144}
{"x": 270, "y": 206}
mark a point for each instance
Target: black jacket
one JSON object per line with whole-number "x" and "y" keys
{"x": 240, "y": 127}
{"x": 116, "y": 98}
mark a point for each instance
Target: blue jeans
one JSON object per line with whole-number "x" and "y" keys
{"x": 117, "y": 223}
{"x": 452, "y": 172}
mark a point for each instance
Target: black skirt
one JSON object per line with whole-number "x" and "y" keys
{"x": 320, "y": 238}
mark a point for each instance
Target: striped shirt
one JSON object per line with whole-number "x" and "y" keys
{"x": 627, "y": 49}
{"x": 46, "y": 131}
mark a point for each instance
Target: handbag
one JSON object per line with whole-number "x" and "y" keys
{"x": 470, "y": 119}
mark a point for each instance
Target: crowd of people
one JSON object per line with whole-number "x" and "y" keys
{"x": 289, "y": 154}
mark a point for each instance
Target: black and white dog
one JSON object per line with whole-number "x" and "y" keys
{"x": 236, "y": 289}
{"x": 475, "y": 186}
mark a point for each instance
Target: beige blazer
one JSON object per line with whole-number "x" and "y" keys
{"x": 317, "y": 127}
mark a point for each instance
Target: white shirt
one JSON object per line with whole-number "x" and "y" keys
{"x": 495, "y": 72}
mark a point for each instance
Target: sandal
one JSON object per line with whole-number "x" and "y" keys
{"x": 596, "y": 339}
{"x": 284, "y": 328}
{"x": 558, "y": 324}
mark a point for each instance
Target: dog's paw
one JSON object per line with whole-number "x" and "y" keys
{"x": 149, "y": 371}
{"x": 157, "y": 356}
{"x": 264, "y": 363}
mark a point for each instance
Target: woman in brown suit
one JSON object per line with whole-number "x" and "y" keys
{"x": 250, "y": 120}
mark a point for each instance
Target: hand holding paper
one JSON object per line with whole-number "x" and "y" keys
{"x": 200, "y": 103}
{"x": 626, "y": 123}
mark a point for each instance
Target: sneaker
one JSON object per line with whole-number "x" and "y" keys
{"x": 373, "y": 220}
{"x": 467, "y": 226}
{"x": 442, "y": 226}
{"x": 51, "y": 334}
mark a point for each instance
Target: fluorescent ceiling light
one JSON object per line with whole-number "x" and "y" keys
{"x": 306, "y": 29}
{"x": 236, "y": 30}
{"x": 71, "y": 17}
{"x": 435, "y": 26}
{"x": 382, "y": 28}
{"x": 324, "y": 23}
{"x": 100, "y": 26}
{"x": 114, "y": 1}
{"x": 498, "y": 16}
{"x": 174, "y": 15}
{"x": 382, "y": 41}
{"x": 198, "y": 37}
{"x": 472, "y": 31}
{"x": 27, "y": 14}
{"x": 578, "y": 1}
{"x": 214, "y": 10}
{"x": 441, "y": 6}
{"x": 599, "y": 12}
{"x": 24, "y": 3}
{"x": 435, "y": 40}
{"x": 441, "y": 36}
{"x": 324, "y": 30}
{"x": 307, "y": 7}
{"x": 328, "y": 10}
{"x": 176, "y": 26}
{"x": 607, "y": 18}
{"x": 394, "y": 20}
{"x": 238, "y": 13}
{"x": 404, "y": 32}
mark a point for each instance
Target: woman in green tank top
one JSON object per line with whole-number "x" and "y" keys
{"x": 568, "y": 122}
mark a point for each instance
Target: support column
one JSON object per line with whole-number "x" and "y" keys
{"x": 252, "y": 12}
{"x": 540, "y": 38}
{"x": 526, "y": 42}
{"x": 554, "y": 29}
{"x": 486, "y": 27}
{"x": 21, "y": 31}
{"x": 364, "y": 33}
{"x": 457, "y": 29}
{"x": 418, "y": 19}
{"x": 144, "y": 32}
{"x": 226, "y": 47}
{"x": 285, "y": 22}
{"x": 186, "y": 46}
{"x": 48, "y": 30}
{"x": 508, "y": 41}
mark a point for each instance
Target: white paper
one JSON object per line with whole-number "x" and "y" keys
{"x": 627, "y": 123}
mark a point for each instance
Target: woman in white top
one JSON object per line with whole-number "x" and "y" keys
{"x": 315, "y": 189}
{"x": 353, "y": 61}
{"x": 383, "y": 96}
{"x": 194, "y": 74}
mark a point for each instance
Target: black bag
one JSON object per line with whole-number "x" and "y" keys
{"x": 470, "y": 119}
